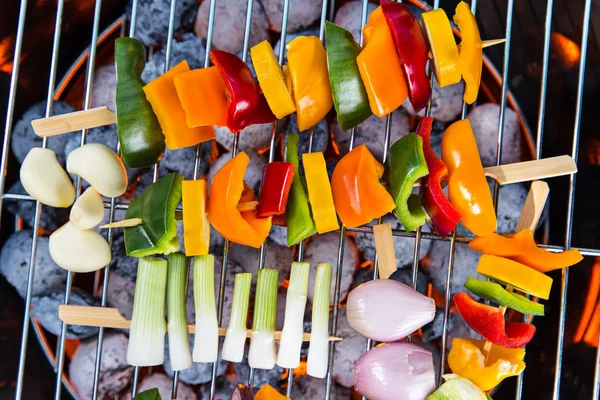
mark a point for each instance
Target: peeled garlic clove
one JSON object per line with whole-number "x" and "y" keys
{"x": 79, "y": 250}
{"x": 100, "y": 167}
{"x": 88, "y": 210}
{"x": 45, "y": 180}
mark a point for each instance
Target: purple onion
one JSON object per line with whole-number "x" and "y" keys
{"x": 395, "y": 371}
{"x": 386, "y": 311}
{"x": 242, "y": 392}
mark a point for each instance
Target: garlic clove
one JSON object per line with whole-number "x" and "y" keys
{"x": 100, "y": 167}
{"x": 88, "y": 210}
{"x": 45, "y": 180}
{"x": 79, "y": 250}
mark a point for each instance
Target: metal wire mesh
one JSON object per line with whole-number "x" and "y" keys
{"x": 113, "y": 205}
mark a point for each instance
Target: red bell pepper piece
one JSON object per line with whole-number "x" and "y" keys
{"x": 412, "y": 48}
{"x": 489, "y": 322}
{"x": 444, "y": 216}
{"x": 274, "y": 189}
{"x": 248, "y": 105}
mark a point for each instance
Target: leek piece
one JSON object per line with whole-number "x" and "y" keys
{"x": 262, "y": 352}
{"x": 318, "y": 350}
{"x": 458, "y": 388}
{"x": 206, "y": 342}
{"x": 293, "y": 328}
{"x": 179, "y": 341}
{"x": 148, "y": 326}
{"x": 235, "y": 339}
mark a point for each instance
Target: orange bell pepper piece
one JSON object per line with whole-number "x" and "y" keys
{"x": 521, "y": 247}
{"x": 467, "y": 187}
{"x": 196, "y": 227}
{"x": 228, "y": 189}
{"x": 203, "y": 96}
{"x": 358, "y": 194}
{"x": 162, "y": 95}
{"x": 268, "y": 392}
{"x": 380, "y": 67}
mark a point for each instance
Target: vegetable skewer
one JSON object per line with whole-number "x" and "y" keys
{"x": 235, "y": 339}
{"x": 262, "y": 353}
{"x": 319, "y": 345}
{"x": 206, "y": 342}
{"x": 179, "y": 341}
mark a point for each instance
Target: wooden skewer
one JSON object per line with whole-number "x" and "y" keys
{"x": 532, "y": 170}
{"x": 75, "y": 121}
{"x": 384, "y": 245}
{"x": 529, "y": 218}
{"x": 107, "y": 317}
{"x": 484, "y": 44}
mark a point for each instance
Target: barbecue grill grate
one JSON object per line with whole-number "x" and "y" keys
{"x": 327, "y": 7}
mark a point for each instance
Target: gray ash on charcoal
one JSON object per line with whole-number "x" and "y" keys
{"x": 120, "y": 294}
{"x": 261, "y": 376}
{"x": 347, "y": 351}
{"x": 153, "y": 19}
{"x": 254, "y": 170}
{"x": 198, "y": 373}
{"x": 51, "y": 218}
{"x": 349, "y": 16}
{"x": 224, "y": 386}
{"x": 23, "y": 137}
{"x": 115, "y": 373}
{"x": 183, "y": 160}
{"x": 403, "y": 246}
{"x": 278, "y": 235}
{"x": 104, "y": 88}
{"x": 120, "y": 264}
{"x": 308, "y": 388}
{"x": 435, "y": 329}
{"x": 276, "y": 257}
{"x": 372, "y": 133}
{"x": 14, "y": 264}
{"x": 106, "y": 135}
{"x": 301, "y": 14}
{"x": 230, "y": 17}
{"x": 45, "y": 309}
{"x": 485, "y": 120}
{"x": 404, "y": 275}
{"x": 189, "y": 48}
{"x": 446, "y": 103}
{"x": 164, "y": 384}
{"x": 291, "y": 36}
{"x": 324, "y": 249}
{"x": 320, "y": 136}
{"x": 255, "y": 137}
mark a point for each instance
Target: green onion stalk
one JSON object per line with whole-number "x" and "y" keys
{"x": 206, "y": 342}
{"x": 235, "y": 339}
{"x": 262, "y": 353}
{"x": 148, "y": 327}
{"x": 179, "y": 341}
{"x": 318, "y": 349}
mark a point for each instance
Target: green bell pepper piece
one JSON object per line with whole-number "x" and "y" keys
{"x": 405, "y": 165}
{"x": 349, "y": 95}
{"x": 157, "y": 234}
{"x": 300, "y": 223}
{"x": 151, "y": 394}
{"x": 495, "y": 292}
{"x": 140, "y": 135}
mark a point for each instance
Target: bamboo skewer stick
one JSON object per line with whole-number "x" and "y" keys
{"x": 484, "y": 44}
{"x": 107, "y": 317}
{"x": 532, "y": 170}
{"x": 75, "y": 121}
{"x": 384, "y": 245}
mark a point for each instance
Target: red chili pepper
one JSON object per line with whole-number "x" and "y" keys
{"x": 412, "y": 48}
{"x": 444, "y": 216}
{"x": 274, "y": 189}
{"x": 489, "y": 322}
{"x": 248, "y": 105}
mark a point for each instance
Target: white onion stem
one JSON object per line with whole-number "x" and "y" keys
{"x": 179, "y": 341}
{"x": 318, "y": 350}
{"x": 262, "y": 352}
{"x": 235, "y": 339}
{"x": 206, "y": 341}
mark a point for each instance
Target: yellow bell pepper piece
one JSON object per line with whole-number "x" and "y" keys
{"x": 268, "y": 392}
{"x": 470, "y": 57}
{"x": 443, "y": 47}
{"x": 520, "y": 276}
{"x": 319, "y": 192}
{"x": 271, "y": 79}
{"x": 467, "y": 360}
{"x": 307, "y": 63}
{"x": 162, "y": 95}
{"x": 196, "y": 227}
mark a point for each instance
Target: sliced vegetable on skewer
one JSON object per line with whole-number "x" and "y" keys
{"x": 380, "y": 67}
{"x": 467, "y": 187}
{"x": 151, "y": 394}
{"x": 268, "y": 392}
{"x": 470, "y": 58}
{"x": 358, "y": 195}
{"x": 196, "y": 227}
{"x": 300, "y": 223}
{"x": 271, "y": 79}
{"x": 443, "y": 47}
{"x": 157, "y": 234}
{"x": 295, "y": 304}
{"x": 228, "y": 189}
{"x": 496, "y": 293}
{"x": 206, "y": 341}
{"x": 148, "y": 326}
{"x": 349, "y": 95}
{"x": 140, "y": 135}
{"x": 458, "y": 388}
{"x": 307, "y": 68}
{"x": 466, "y": 358}
{"x": 275, "y": 187}
{"x": 319, "y": 192}
{"x": 79, "y": 250}
{"x": 395, "y": 371}
{"x": 262, "y": 353}
{"x": 318, "y": 349}
{"x": 235, "y": 339}
{"x": 406, "y": 164}
{"x": 373, "y": 310}
{"x": 412, "y": 49}
{"x": 44, "y": 179}
{"x": 179, "y": 341}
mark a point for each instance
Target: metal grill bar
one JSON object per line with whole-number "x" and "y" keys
{"x": 571, "y": 199}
